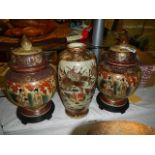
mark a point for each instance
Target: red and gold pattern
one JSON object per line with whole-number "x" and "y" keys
{"x": 44, "y": 88}
{"x": 118, "y": 74}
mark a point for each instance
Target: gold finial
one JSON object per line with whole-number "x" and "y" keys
{"x": 26, "y": 44}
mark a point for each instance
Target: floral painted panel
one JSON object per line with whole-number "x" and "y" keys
{"x": 77, "y": 82}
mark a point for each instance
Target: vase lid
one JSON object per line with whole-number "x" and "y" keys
{"x": 26, "y": 48}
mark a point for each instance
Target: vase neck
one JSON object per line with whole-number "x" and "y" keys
{"x": 76, "y": 47}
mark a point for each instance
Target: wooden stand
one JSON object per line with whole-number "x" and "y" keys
{"x": 29, "y": 116}
{"x": 111, "y": 108}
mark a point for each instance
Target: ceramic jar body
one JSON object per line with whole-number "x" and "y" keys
{"x": 77, "y": 79}
{"x": 31, "y": 90}
{"x": 118, "y": 75}
{"x": 30, "y": 82}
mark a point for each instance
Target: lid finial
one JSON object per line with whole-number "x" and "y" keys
{"x": 26, "y": 44}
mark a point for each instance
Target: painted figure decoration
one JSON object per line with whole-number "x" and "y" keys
{"x": 118, "y": 77}
{"x": 77, "y": 79}
{"x": 31, "y": 83}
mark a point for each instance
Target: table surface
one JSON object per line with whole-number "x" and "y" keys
{"x": 61, "y": 124}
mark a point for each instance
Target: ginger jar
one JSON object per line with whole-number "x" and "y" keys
{"x": 30, "y": 83}
{"x": 118, "y": 77}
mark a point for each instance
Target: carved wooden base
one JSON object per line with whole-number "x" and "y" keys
{"x": 77, "y": 113}
{"x": 33, "y": 116}
{"x": 110, "y": 105}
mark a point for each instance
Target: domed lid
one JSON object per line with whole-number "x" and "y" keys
{"x": 26, "y": 48}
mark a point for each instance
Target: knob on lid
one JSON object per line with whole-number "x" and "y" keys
{"x": 26, "y": 48}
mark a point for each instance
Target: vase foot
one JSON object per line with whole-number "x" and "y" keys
{"x": 77, "y": 113}
{"x": 38, "y": 115}
{"x": 103, "y": 104}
